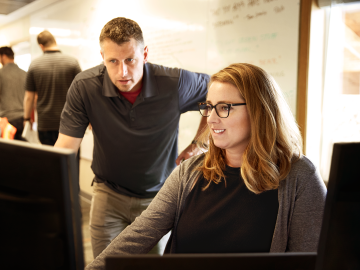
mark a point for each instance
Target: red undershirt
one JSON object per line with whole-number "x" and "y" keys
{"x": 131, "y": 96}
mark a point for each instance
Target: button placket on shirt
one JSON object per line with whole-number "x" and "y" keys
{"x": 139, "y": 100}
{"x": 132, "y": 115}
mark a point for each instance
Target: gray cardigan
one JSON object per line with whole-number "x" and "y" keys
{"x": 301, "y": 202}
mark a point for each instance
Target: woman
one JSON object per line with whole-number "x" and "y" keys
{"x": 251, "y": 191}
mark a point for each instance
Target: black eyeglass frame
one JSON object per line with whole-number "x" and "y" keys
{"x": 214, "y": 106}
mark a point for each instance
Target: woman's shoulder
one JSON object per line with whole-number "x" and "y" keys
{"x": 193, "y": 162}
{"x": 303, "y": 173}
{"x": 303, "y": 165}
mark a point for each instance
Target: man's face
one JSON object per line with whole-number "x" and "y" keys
{"x": 124, "y": 63}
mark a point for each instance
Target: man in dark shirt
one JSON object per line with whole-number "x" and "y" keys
{"x": 134, "y": 108}
{"x": 12, "y": 80}
{"x": 50, "y": 76}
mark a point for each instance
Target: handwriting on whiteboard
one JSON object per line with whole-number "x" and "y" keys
{"x": 223, "y": 23}
{"x": 250, "y": 10}
{"x": 255, "y": 15}
{"x": 268, "y": 61}
{"x": 278, "y": 9}
{"x": 248, "y": 39}
{"x": 276, "y": 74}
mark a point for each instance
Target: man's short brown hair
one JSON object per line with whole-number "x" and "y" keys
{"x": 7, "y": 51}
{"x": 46, "y": 39}
{"x": 120, "y": 30}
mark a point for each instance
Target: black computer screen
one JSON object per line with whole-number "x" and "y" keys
{"x": 243, "y": 261}
{"x": 40, "y": 225}
{"x": 339, "y": 245}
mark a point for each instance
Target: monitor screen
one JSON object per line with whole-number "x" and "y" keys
{"x": 339, "y": 244}
{"x": 244, "y": 261}
{"x": 40, "y": 224}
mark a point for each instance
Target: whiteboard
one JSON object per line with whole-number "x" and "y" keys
{"x": 198, "y": 35}
{"x": 264, "y": 33}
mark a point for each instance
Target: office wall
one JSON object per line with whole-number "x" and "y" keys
{"x": 198, "y": 35}
{"x": 15, "y": 32}
{"x": 202, "y": 36}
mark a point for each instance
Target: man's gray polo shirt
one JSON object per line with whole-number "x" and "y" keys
{"x": 12, "y": 92}
{"x": 135, "y": 145}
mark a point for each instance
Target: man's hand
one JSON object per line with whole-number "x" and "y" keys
{"x": 191, "y": 150}
{"x": 31, "y": 123}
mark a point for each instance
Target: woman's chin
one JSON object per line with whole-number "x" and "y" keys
{"x": 220, "y": 145}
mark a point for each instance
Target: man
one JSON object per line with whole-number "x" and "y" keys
{"x": 12, "y": 80}
{"x": 49, "y": 76}
{"x": 134, "y": 109}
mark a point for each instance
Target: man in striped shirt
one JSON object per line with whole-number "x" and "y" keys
{"x": 12, "y": 80}
{"x": 50, "y": 76}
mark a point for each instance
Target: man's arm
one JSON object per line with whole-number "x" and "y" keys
{"x": 35, "y": 101}
{"x": 28, "y": 105}
{"x": 193, "y": 89}
{"x": 192, "y": 149}
{"x": 69, "y": 142}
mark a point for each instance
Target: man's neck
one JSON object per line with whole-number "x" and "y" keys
{"x": 51, "y": 48}
{"x": 8, "y": 62}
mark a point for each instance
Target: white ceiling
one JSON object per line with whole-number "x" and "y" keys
{"x": 8, "y": 6}
{"x": 24, "y": 9}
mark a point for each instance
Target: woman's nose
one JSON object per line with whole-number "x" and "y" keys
{"x": 213, "y": 117}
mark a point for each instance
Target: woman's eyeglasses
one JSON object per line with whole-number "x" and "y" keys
{"x": 222, "y": 109}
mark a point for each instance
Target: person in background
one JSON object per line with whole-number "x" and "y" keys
{"x": 251, "y": 191}
{"x": 12, "y": 91}
{"x": 134, "y": 108}
{"x": 50, "y": 76}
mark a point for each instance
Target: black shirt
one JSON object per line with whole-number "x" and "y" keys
{"x": 135, "y": 145}
{"x": 227, "y": 219}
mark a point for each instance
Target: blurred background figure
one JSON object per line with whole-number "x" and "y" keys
{"x": 50, "y": 76}
{"x": 12, "y": 91}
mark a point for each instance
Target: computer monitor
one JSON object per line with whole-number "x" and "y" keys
{"x": 40, "y": 219}
{"x": 339, "y": 245}
{"x": 243, "y": 261}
